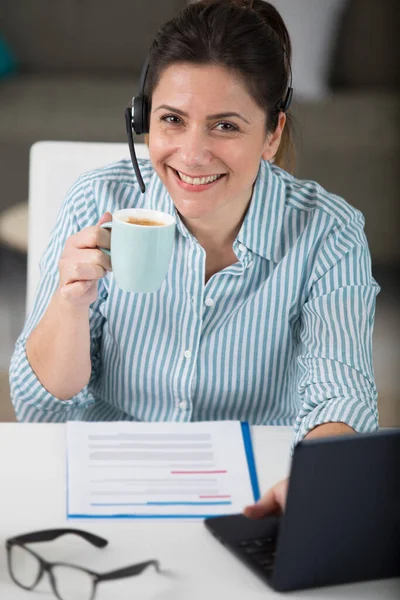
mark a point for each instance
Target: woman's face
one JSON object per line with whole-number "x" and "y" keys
{"x": 207, "y": 136}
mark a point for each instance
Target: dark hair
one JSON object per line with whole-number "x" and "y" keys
{"x": 252, "y": 41}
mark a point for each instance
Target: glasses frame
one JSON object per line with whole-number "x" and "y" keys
{"x": 45, "y": 566}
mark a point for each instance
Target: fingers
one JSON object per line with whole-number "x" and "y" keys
{"x": 96, "y": 257}
{"x": 273, "y": 502}
{"x": 76, "y": 265}
{"x": 82, "y": 263}
{"x": 92, "y": 237}
{"x": 105, "y": 218}
{"x": 82, "y": 271}
{"x": 80, "y": 291}
{"x": 265, "y": 506}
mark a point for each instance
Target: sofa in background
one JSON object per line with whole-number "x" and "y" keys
{"x": 78, "y": 68}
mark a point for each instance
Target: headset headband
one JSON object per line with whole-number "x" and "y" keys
{"x": 283, "y": 105}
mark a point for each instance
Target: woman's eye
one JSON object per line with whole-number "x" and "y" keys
{"x": 225, "y": 126}
{"x": 172, "y": 119}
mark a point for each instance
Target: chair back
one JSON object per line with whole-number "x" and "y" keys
{"x": 53, "y": 169}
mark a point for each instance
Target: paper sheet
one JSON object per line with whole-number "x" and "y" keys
{"x": 131, "y": 469}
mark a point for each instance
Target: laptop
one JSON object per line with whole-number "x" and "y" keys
{"x": 342, "y": 518}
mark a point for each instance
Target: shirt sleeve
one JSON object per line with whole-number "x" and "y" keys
{"x": 32, "y": 402}
{"x": 336, "y": 379}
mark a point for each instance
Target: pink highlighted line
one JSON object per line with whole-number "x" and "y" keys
{"x": 220, "y": 496}
{"x": 196, "y": 472}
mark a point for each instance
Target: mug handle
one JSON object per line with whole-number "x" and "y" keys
{"x": 107, "y": 225}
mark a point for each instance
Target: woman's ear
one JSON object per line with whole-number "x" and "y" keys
{"x": 274, "y": 139}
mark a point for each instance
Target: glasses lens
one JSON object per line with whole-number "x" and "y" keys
{"x": 24, "y": 567}
{"x": 72, "y": 583}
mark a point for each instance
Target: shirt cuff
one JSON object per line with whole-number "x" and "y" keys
{"x": 353, "y": 412}
{"x": 28, "y": 393}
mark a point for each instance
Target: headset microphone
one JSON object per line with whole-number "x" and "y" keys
{"x": 137, "y": 121}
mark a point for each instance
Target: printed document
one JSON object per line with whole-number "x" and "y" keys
{"x": 142, "y": 470}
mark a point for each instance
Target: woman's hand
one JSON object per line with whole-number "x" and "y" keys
{"x": 273, "y": 502}
{"x": 82, "y": 264}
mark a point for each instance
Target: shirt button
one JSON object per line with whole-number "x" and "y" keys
{"x": 209, "y": 302}
{"x": 182, "y": 405}
{"x": 242, "y": 248}
{"x": 187, "y": 354}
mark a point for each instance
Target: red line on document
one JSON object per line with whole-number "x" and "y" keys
{"x": 219, "y": 496}
{"x": 196, "y": 472}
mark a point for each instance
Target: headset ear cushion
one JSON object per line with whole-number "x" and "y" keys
{"x": 145, "y": 115}
{"x": 140, "y": 115}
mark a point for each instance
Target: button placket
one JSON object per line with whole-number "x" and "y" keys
{"x": 191, "y": 333}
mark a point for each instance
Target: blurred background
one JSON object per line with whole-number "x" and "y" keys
{"x": 68, "y": 68}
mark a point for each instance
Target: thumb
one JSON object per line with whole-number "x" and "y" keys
{"x": 105, "y": 218}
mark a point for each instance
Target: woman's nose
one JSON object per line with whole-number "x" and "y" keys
{"x": 194, "y": 148}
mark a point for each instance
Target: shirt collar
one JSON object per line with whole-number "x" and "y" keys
{"x": 261, "y": 231}
{"x": 159, "y": 199}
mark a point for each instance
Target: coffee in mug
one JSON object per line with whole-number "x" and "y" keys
{"x": 142, "y": 221}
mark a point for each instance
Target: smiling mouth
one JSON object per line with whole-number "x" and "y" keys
{"x": 198, "y": 180}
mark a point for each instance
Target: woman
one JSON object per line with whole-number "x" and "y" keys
{"x": 267, "y": 310}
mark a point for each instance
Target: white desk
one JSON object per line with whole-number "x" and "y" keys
{"x": 32, "y": 497}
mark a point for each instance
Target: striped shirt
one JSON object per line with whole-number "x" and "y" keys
{"x": 281, "y": 337}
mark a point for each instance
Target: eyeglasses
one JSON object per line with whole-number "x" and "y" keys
{"x": 68, "y": 582}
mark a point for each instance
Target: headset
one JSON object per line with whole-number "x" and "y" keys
{"x": 137, "y": 121}
{"x": 284, "y": 105}
{"x": 137, "y": 118}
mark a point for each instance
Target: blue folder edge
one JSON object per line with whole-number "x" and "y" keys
{"x": 248, "y": 448}
{"x": 67, "y": 486}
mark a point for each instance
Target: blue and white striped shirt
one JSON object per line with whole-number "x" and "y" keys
{"x": 281, "y": 337}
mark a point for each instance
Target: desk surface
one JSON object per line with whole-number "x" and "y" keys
{"x": 32, "y": 497}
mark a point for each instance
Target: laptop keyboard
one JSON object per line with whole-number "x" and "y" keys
{"x": 260, "y": 550}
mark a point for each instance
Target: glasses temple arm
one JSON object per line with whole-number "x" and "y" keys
{"x": 129, "y": 571}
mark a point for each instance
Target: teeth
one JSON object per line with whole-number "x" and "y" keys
{"x": 197, "y": 180}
